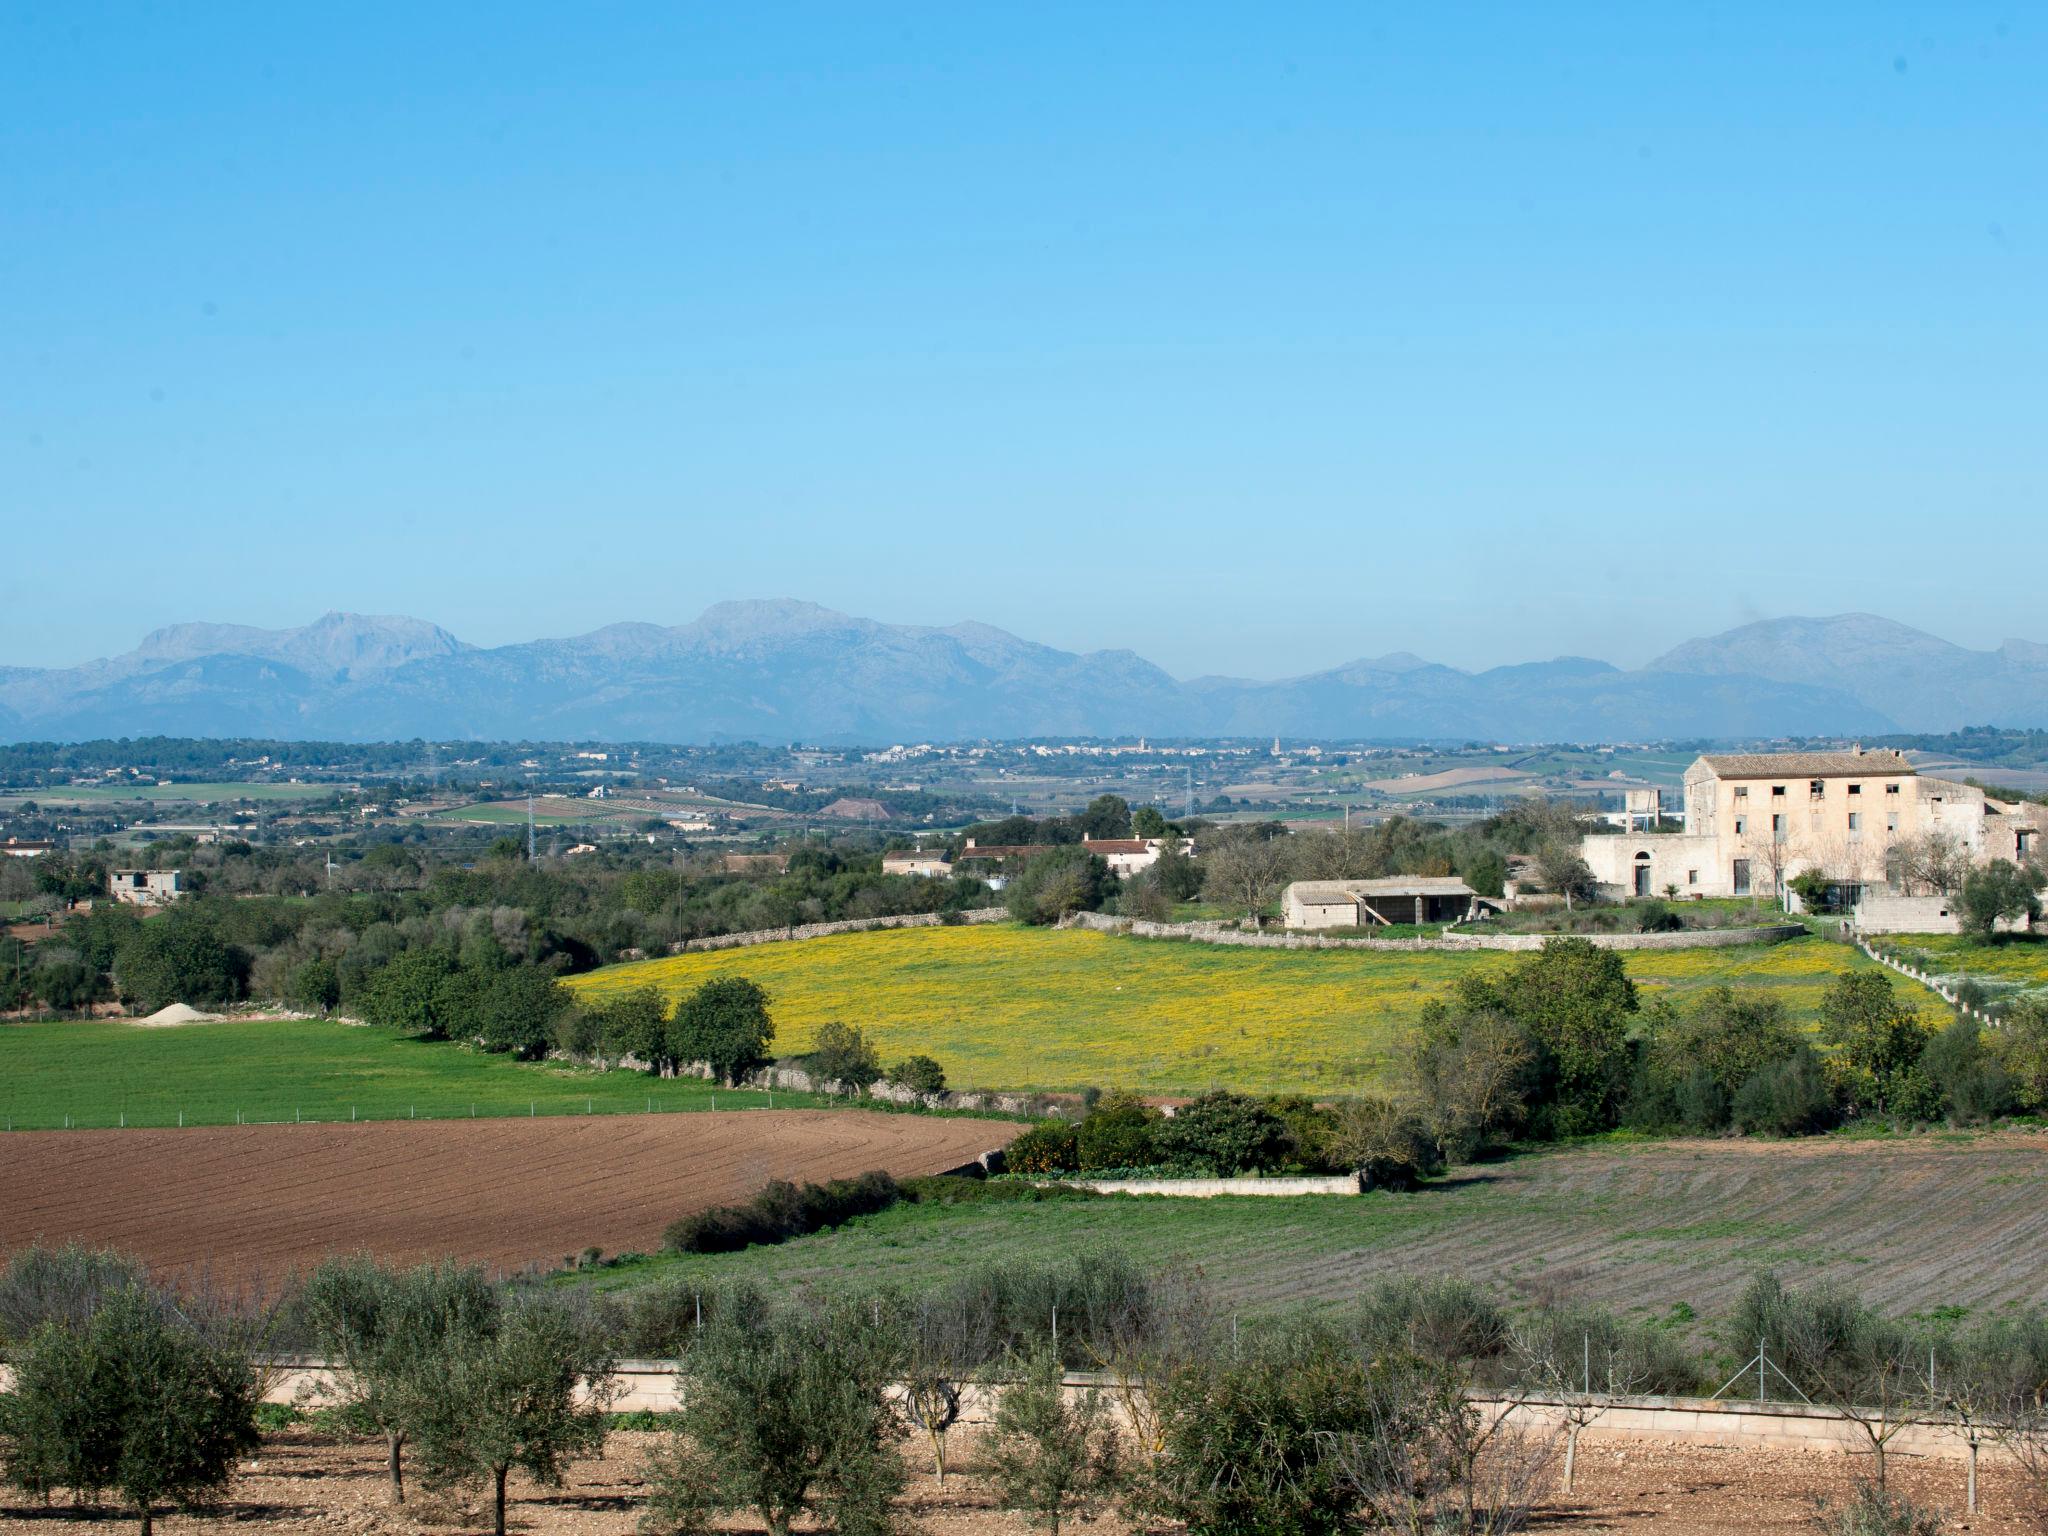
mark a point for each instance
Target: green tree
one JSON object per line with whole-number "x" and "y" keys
{"x": 726, "y": 1023}
{"x": 843, "y": 1053}
{"x": 1120, "y": 1132}
{"x": 137, "y": 1400}
{"x": 533, "y": 1393}
{"x": 1057, "y": 882}
{"x": 1879, "y": 1036}
{"x": 920, "y": 1074}
{"x": 520, "y": 1007}
{"x": 1973, "y": 1082}
{"x": 785, "y": 1413}
{"x": 1574, "y": 1003}
{"x": 381, "y": 1329}
{"x": 2000, "y": 891}
{"x": 1231, "y": 1132}
{"x": 1107, "y": 816}
{"x": 1049, "y": 1457}
{"x": 177, "y": 959}
{"x": 316, "y": 985}
{"x": 1147, "y": 821}
{"x": 406, "y": 993}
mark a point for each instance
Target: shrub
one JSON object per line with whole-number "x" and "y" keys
{"x": 1656, "y": 917}
{"x": 920, "y": 1074}
{"x": 1121, "y": 1132}
{"x": 1229, "y": 1132}
{"x": 1247, "y": 1439}
{"x": 782, "y": 1210}
{"x": 1871, "y": 1510}
{"x": 64, "y": 1286}
{"x": 844, "y": 1054}
{"x": 1387, "y": 1145}
{"x": 1790, "y": 1098}
{"x": 1973, "y": 1083}
{"x": 1051, "y": 1146}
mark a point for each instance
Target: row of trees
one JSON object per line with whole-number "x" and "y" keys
{"x": 1560, "y": 1044}
{"x": 1390, "y": 1412}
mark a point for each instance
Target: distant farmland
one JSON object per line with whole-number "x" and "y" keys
{"x": 1011, "y": 1007}
{"x": 190, "y": 794}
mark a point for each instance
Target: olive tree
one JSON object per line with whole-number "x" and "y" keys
{"x": 784, "y": 1413}
{"x": 1050, "y": 1457}
{"x": 532, "y": 1392}
{"x": 381, "y": 1329}
{"x": 141, "y": 1399}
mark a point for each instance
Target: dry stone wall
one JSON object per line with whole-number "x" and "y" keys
{"x": 846, "y": 925}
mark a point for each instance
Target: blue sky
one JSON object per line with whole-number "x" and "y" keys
{"x": 1252, "y": 338}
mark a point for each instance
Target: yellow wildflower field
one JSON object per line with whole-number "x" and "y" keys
{"x": 1002, "y": 1006}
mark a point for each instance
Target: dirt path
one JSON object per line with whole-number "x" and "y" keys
{"x": 247, "y": 1200}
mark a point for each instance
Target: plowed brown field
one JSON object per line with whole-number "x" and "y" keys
{"x": 249, "y": 1200}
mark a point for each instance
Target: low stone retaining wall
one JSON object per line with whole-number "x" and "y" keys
{"x": 1209, "y": 1189}
{"x": 1230, "y": 934}
{"x": 654, "y": 1386}
{"x": 846, "y": 925}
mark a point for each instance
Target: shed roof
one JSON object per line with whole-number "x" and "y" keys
{"x": 1806, "y": 765}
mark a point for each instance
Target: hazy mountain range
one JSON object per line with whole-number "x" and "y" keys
{"x": 786, "y": 671}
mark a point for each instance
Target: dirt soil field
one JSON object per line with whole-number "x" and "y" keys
{"x": 250, "y": 1200}
{"x": 306, "y": 1482}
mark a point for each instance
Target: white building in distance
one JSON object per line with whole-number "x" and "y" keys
{"x": 1756, "y": 821}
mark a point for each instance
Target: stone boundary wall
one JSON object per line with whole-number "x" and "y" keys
{"x": 655, "y": 1386}
{"x": 1230, "y": 934}
{"x": 1209, "y": 1189}
{"x": 845, "y": 925}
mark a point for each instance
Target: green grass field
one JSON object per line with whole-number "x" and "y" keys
{"x": 105, "y": 1073}
{"x": 194, "y": 794}
{"x": 1912, "y": 1222}
{"x": 2019, "y": 962}
{"x": 1010, "y": 1007}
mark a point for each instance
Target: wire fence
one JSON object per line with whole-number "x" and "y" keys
{"x": 310, "y": 1110}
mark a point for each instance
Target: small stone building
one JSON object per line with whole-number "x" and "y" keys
{"x": 1376, "y": 903}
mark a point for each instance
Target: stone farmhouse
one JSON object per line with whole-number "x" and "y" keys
{"x": 1756, "y": 821}
{"x": 928, "y": 862}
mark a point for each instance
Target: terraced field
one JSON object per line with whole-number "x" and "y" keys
{"x": 1912, "y": 1223}
{"x": 2018, "y": 964}
{"x": 1011, "y": 1007}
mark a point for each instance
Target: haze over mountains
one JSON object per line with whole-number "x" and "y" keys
{"x": 785, "y": 671}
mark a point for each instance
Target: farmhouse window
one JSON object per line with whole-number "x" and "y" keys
{"x": 1815, "y": 788}
{"x": 1742, "y": 877}
{"x": 1777, "y": 829}
{"x": 1891, "y": 821}
{"x": 1742, "y": 791}
{"x": 1692, "y": 877}
{"x": 1855, "y": 823}
{"x": 1855, "y": 789}
{"x": 1777, "y": 791}
{"x": 1891, "y": 789}
{"x": 1741, "y": 825}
